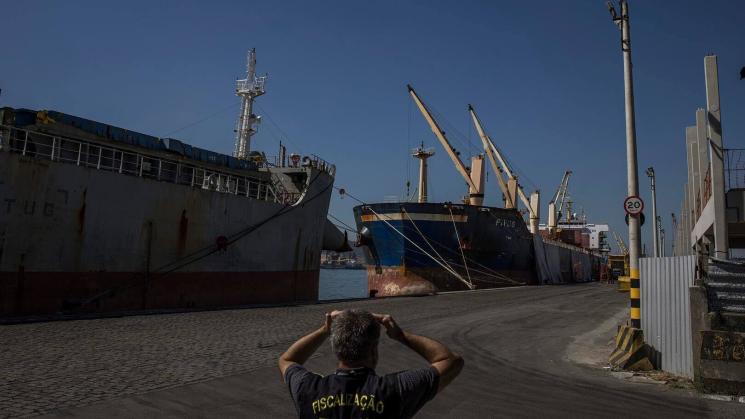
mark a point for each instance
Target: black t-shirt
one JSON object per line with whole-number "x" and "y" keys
{"x": 360, "y": 393}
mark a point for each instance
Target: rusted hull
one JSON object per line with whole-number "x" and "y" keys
{"x": 393, "y": 281}
{"x": 49, "y": 293}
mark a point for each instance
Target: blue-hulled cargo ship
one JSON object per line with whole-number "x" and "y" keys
{"x": 424, "y": 247}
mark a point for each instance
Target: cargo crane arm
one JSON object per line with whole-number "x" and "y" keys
{"x": 621, "y": 244}
{"x": 485, "y": 140}
{"x": 440, "y": 134}
{"x": 493, "y": 151}
{"x": 561, "y": 192}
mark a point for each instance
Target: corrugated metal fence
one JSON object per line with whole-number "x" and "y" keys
{"x": 666, "y": 313}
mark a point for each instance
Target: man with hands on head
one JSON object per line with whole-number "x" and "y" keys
{"x": 354, "y": 390}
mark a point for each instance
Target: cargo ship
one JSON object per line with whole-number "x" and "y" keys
{"x": 97, "y": 218}
{"x": 424, "y": 247}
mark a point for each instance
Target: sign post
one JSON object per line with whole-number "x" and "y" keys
{"x": 633, "y": 205}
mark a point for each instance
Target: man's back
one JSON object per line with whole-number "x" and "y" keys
{"x": 354, "y": 390}
{"x": 359, "y": 392}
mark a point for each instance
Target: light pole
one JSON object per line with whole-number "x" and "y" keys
{"x": 631, "y": 174}
{"x": 655, "y": 223}
{"x": 660, "y": 236}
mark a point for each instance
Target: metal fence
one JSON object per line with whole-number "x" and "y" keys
{"x": 666, "y": 312}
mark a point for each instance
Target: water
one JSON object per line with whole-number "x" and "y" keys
{"x": 342, "y": 283}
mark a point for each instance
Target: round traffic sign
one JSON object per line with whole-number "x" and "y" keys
{"x": 633, "y": 205}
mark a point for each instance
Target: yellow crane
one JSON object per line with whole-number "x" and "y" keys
{"x": 623, "y": 280}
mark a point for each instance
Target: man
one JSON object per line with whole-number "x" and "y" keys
{"x": 354, "y": 390}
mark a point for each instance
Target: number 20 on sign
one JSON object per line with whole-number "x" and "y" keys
{"x": 633, "y": 205}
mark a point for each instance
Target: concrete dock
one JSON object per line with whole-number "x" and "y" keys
{"x": 529, "y": 351}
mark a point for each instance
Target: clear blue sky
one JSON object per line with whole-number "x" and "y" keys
{"x": 544, "y": 76}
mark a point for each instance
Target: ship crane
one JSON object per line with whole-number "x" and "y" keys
{"x": 473, "y": 177}
{"x": 511, "y": 187}
{"x": 621, "y": 244}
{"x": 557, "y": 203}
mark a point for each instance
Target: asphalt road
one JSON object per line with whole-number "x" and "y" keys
{"x": 523, "y": 347}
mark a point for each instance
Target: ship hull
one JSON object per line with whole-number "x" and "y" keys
{"x": 45, "y": 293}
{"x": 424, "y": 248}
{"x": 75, "y": 239}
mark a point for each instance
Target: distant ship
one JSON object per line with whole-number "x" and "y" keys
{"x": 97, "y": 218}
{"x": 424, "y": 247}
{"x": 345, "y": 260}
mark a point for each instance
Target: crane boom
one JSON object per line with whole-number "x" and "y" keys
{"x": 492, "y": 158}
{"x": 491, "y": 149}
{"x": 459, "y": 166}
{"x": 561, "y": 192}
{"x": 621, "y": 244}
{"x": 510, "y": 175}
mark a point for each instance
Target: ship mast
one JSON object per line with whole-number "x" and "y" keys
{"x": 248, "y": 89}
{"x": 422, "y": 154}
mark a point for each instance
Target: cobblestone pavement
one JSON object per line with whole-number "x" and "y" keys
{"x": 49, "y": 366}
{"x": 201, "y": 364}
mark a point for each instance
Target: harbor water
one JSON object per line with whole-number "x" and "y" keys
{"x": 335, "y": 284}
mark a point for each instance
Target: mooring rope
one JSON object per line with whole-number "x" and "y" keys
{"x": 453, "y": 272}
{"x": 425, "y": 238}
{"x": 460, "y": 246}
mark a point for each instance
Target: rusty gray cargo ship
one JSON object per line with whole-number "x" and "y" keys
{"x": 96, "y": 218}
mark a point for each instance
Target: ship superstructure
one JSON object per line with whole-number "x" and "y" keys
{"x": 99, "y": 218}
{"x": 425, "y": 247}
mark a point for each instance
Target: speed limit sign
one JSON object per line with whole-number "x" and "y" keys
{"x": 633, "y": 205}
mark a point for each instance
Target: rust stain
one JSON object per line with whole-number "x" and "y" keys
{"x": 81, "y": 214}
{"x": 183, "y": 230}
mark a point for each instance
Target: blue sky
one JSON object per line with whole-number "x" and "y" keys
{"x": 546, "y": 78}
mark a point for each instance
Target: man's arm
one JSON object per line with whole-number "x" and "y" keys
{"x": 447, "y": 363}
{"x": 301, "y": 350}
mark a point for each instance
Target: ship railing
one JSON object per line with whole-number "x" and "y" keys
{"x": 319, "y": 163}
{"x": 93, "y": 155}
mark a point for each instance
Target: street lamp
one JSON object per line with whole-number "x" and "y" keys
{"x": 622, "y": 20}
{"x": 655, "y": 223}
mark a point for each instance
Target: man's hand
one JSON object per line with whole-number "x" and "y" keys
{"x": 330, "y": 319}
{"x": 301, "y": 350}
{"x": 392, "y": 328}
{"x": 447, "y": 363}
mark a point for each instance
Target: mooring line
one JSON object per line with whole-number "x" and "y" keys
{"x": 455, "y": 274}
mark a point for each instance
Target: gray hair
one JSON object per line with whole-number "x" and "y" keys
{"x": 354, "y": 333}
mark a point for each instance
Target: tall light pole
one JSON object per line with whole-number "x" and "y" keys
{"x": 660, "y": 236}
{"x": 632, "y": 178}
{"x": 655, "y": 221}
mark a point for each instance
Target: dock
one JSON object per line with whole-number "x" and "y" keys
{"x": 529, "y": 351}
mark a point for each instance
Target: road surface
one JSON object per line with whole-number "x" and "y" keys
{"x": 525, "y": 350}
